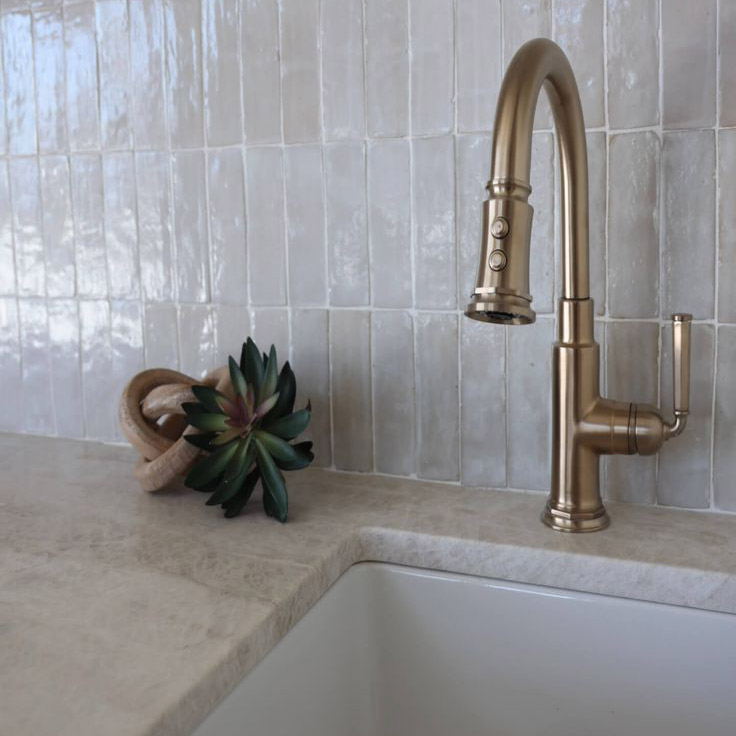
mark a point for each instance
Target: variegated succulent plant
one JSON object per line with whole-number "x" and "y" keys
{"x": 248, "y": 437}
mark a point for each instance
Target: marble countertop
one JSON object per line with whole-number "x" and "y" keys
{"x": 133, "y": 614}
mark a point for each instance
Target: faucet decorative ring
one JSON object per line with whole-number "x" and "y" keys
{"x": 585, "y": 425}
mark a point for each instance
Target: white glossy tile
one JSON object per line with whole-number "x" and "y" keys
{"x": 431, "y": 30}
{"x": 30, "y": 257}
{"x": 147, "y": 72}
{"x": 727, "y": 226}
{"x": 184, "y": 72}
{"x": 688, "y": 63}
{"x": 232, "y": 328}
{"x": 688, "y": 161}
{"x": 197, "y": 348}
{"x": 433, "y": 202}
{"x": 89, "y": 231}
{"x": 342, "y": 68}
{"x": 724, "y": 458}
{"x": 438, "y": 411}
{"x": 11, "y": 417}
{"x": 126, "y": 338}
{"x": 347, "y": 236}
{"x": 543, "y": 274}
{"x": 113, "y": 49}
{"x": 66, "y": 377}
{"x": 80, "y": 60}
{"x": 478, "y": 51}
{"x": 161, "y": 336}
{"x": 38, "y": 404}
{"x": 633, "y": 63}
{"x": 389, "y": 222}
{"x": 222, "y": 88}
{"x": 48, "y": 62}
{"x": 17, "y": 56}
{"x": 7, "y": 256}
{"x": 190, "y": 225}
{"x": 305, "y": 225}
{"x": 633, "y": 225}
{"x": 387, "y": 67}
{"x": 684, "y": 462}
{"x": 350, "y": 357}
{"x": 100, "y": 421}
{"x": 121, "y": 233}
{"x": 311, "y": 364}
{"x": 271, "y": 327}
{"x": 261, "y": 73}
{"x": 3, "y": 123}
{"x": 300, "y": 70}
{"x": 155, "y": 228}
{"x": 266, "y": 233}
{"x": 483, "y": 404}
{"x": 597, "y": 197}
{"x": 727, "y": 51}
{"x": 58, "y": 226}
{"x": 227, "y": 227}
{"x": 393, "y": 392}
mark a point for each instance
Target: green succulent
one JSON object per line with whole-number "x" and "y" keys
{"x": 248, "y": 438}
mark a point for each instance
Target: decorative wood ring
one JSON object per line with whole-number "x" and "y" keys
{"x": 152, "y": 419}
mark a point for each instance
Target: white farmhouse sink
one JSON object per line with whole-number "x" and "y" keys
{"x": 392, "y": 651}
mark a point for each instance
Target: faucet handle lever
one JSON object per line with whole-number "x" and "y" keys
{"x": 681, "y": 362}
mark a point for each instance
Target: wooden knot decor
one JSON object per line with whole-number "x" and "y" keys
{"x": 152, "y": 419}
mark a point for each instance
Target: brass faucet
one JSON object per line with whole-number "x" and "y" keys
{"x": 585, "y": 425}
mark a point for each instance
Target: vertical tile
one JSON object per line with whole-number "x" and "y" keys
{"x": 113, "y": 50}
{"x": 433, "y": 166}
{"x": 305, "y": 225}
{"x": 727, "y": 226}
{"x": 11, "y": 417}
{"x": 266, "y": 236}
{"x": 271, "y": 327}
{"x": 27, "y": 227}
{"x": 222, "y": 72}
{"x": 121, "y": 241}
{"x": 393, "y": 392}
{"x": 389, "y": 222}
{"x": 351, "y": 389}
{"x": 232, "y": 328}
{"x": 727, "y": 50}
{"x": 17, "y": 56}
{"x": 342, "y": 68}
{"x": 48, "y": 28}
{"x": 529, "y": 411}
{"x": 633, "y": 225}
{"x": 311, "y": 363}
{"x": 7, "y": 257}
{"x": 147, "y": 72}
{"x": 688, "y": 63}
{"x": 161, "y": 339}
{"x": 300, "y": 75}
{"x": 261, "y": 73}
{"x": 432, "y": 66}
{"x": 126, "y": 337}
{"x": 684, "y": 462}
{"x": 542, "y": 272}
{"x": 154, "y": 226}
{"x": 227, "y": 227}
{"x": 100, "y": 420}
{"x": 3, "y": 121}
{"x": 597, "y": 194}
{"x": 523, "y": 21}
{"x": 472, "y": 168}
{"x": 38, "y": 405}
{"x": 80, "y": 60}
{"x": 483, "y": 404}
{"x": 184, "y": 71}
{"x": 478, "y": 59}
{"x": 632, "y": 477}
{"x": 347, "y": 237}
{"x": 197, "y": 346}
{"x": 438, "y": 411}
{"x": 89, "y": 233}
{"x": 633, "y": 63}
{"x": 190, "y": 220}
{"x": 689, "y": 197}
{"x": 64, "y": 356}
{"x": 724, "y": 459}
{"x": 58, "y": 226}
{"x": 387, "y": 67}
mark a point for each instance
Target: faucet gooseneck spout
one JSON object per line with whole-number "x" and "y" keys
{"x": 585, "y": 425}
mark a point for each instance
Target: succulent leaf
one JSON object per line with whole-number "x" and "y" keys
{"x": 276, "y": 446}
{"x": 253, "y": 366}
{"x": 227, "y": 436}
{"x": 241, "y": 461}
{"x": 235, "y": 505}
{"x": 273, "y": 481}
{"x": 291, "y": 425}
{"x": 210, "y": 467}
{"x": 270, "y": 377}
{"x": 304, "y": 457}
{"x": 237, "y": 378}
{"x": 286, "y": 387}
{"x": 208, "y": 397}
{"x": 266, "y": 406}
{"x": 209, "y": 422}
{"x": 202, "y": 441}
{"x": 193, "y": 407}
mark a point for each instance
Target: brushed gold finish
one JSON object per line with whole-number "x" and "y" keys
{"x": 585, "y": 425}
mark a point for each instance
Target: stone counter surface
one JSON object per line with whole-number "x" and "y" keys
{"x": 129, "y": 614}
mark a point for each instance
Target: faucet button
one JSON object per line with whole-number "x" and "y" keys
{"x": 497, "y": 260}
{"x": 499, "y": 227}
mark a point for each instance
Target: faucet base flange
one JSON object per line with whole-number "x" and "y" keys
{"x": 562, "y": 521}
